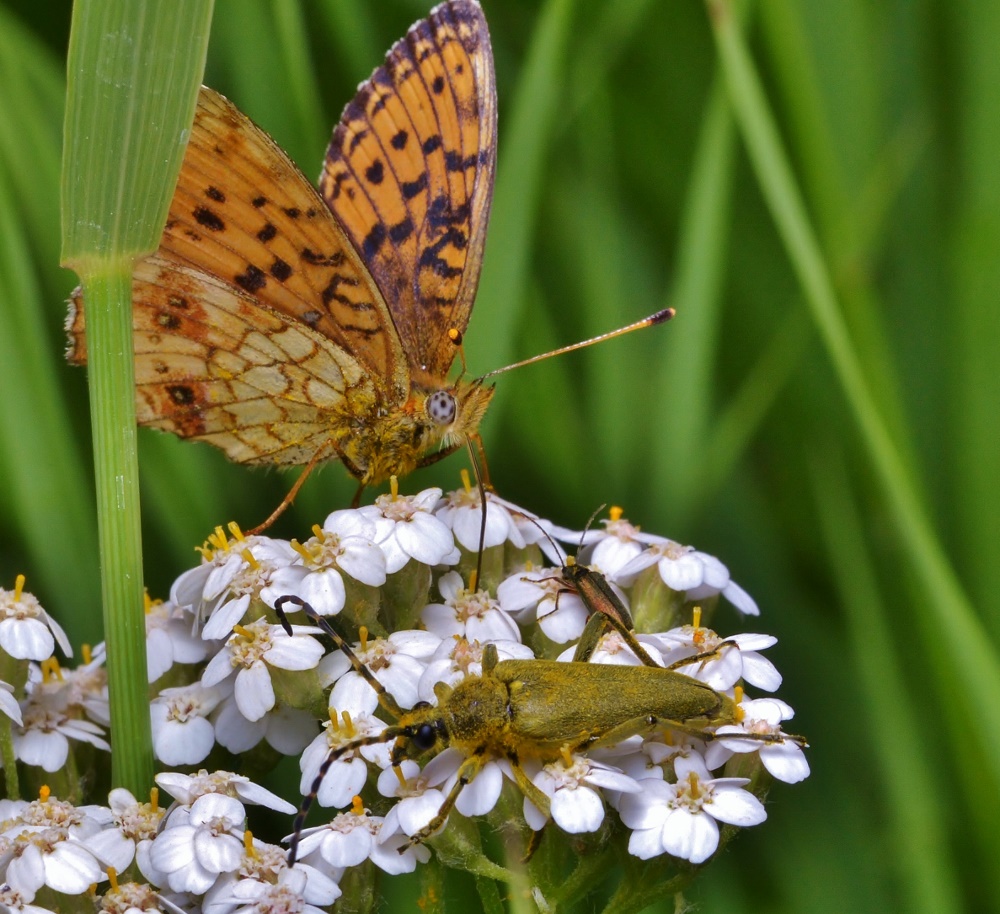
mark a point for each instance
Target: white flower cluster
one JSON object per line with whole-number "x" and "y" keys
{"x": 196, "y": 856}
{"x": 393, "y": 578}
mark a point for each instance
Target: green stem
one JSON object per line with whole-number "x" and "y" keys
{"x": 112, "y": 406}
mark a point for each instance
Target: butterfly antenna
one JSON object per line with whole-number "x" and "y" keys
{"x": 286, "y": 502}
{"x": 651, "y": 321}
{"x": 475, "y": 452}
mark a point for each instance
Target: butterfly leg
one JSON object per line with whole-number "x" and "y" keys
{"x": 290, "y": 497}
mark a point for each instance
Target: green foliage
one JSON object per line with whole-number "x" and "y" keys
{"x": 821, "y": 414}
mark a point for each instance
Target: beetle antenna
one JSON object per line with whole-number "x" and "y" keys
{"x": 384, "y": 698}
{"x": 590, "y": 521}
{"x": 388, "y": 734}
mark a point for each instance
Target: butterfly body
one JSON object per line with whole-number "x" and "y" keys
{"x": 281, "y": 323}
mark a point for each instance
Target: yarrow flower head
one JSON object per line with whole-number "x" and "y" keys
{"x": 686, "y": 570}
{"x": 344, "y": 547}
{"x": 406, "y": 529}
{"x": 27, "y": 632}
{"x": 681, "y": 818}
{"x": 443, "y": 699}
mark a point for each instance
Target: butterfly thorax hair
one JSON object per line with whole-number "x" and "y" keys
{"x": 432, "y": 423}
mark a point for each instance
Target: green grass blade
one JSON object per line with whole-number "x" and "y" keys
{"x": 47, "y": 491}
{"x": 686, "y": 379}
{"x": 974, "y": 660}
{"x": 897, "y": 729}
{"x": 123, "y": 148}
{"x": 523, "y": 146}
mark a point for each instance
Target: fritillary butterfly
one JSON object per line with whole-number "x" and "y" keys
{"x": 281, "y": 324}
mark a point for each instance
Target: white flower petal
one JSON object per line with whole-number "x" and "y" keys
{"x": 690, "y": 836}
{"x": 682, "y": 573}
{"x": 363, "y": 561}
{"x": 222, "y": 620}
{"x": 577, "y": 810}
{"x": 645, "y": 844}
{"x": 785, "y": 761}
{"x": 731, "y": 803}
{"x": 254, "y": 692}
{"x": 70, "y": 869}
{"x": 481, "y": 795}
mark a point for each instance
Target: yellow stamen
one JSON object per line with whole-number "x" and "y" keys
{"x": 18, "y": 587}
{"x": 154, "y": 799}
{"x": 217, "y": 542}
{"x": 363, "y": 637}
{"x": 44, "y": 793}
{"x": 357, "y": 807}
{"x": 51, "y": 670}
{"x": 738, "y": 698}
{"x": 394, "y": 487}
{"x": 615, "y": 513}
{"x": 466, "y": 481}
{"x": 87, "y": 654}
{"x": 250, "y": 560}
{"x": 567, "y": 756}
{"x": 248, "y": 844}
{"x": 399, "y": 775}
{"x": 112, "y": 878}
{"x": 696, "y": 617}
{"x": 570, "y": 561}
{"x": 234, "y": 528}
{"x": 319, "y": 533}
{"x": 472, "y": 581}
{"x": 245, "y": 632}
{"x": 301, "y": 550}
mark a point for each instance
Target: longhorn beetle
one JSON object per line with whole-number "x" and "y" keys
{"x": 529, "y": 709}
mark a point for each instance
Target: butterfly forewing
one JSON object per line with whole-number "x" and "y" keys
{"x": 244, "y": 213}
{"x": 281, "y": 325}
{"x": 409, "y": 174}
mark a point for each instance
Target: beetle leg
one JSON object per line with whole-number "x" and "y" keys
{"x": 528, "y": 788}
{"x": 592, "y": 635}
{"x": 466, "y": 772}
{"x": 705, "y": 655}
{"x": 589, "y": 639}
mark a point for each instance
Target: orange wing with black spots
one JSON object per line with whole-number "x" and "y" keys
{"x": 281, "y": 329}
{"x": 257, "y": 326}
{"x": 409, "y": 175}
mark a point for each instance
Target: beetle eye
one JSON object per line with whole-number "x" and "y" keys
{"x": 425, "y": 737}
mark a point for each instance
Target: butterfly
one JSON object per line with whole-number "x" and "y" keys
{"x": 286, "y": 325}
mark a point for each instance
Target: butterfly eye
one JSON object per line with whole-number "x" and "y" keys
{"x": 441, "y": 407}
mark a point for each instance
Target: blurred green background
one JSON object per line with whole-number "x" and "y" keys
{"x": 822, "y": 414}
